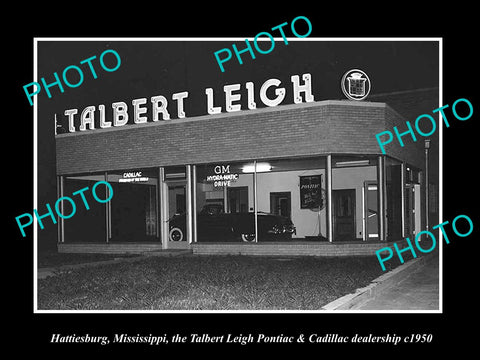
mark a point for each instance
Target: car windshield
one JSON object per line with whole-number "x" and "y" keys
{"x": 212, "y": 209}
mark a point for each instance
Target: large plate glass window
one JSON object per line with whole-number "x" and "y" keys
{"x": 87, "y": 225}
{"x": 225, "y": 202}
{"x": 393, "y": 173}
{"x": 291, "y": 199}
{"x": 134, "y": 206}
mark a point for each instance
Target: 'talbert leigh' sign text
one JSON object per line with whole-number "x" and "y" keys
{"x": 158, "y": 109}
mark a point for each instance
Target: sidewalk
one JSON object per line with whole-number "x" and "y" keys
{"x": 418, "y": 291}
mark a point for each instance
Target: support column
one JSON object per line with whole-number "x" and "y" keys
{"x": 188, "y": 204}
{"x": 60, "y": 226}
{"x": 427, "y": 186}
{"x": 194, "y": 202}
{"x": 163, "y": 191}
{"x": 108, "y": 219}
{"x": 225, "y": 199}
{"x": 158, "y": 206}
{"x": 255, "y": 199}
{"x": 381, "y": 197}
{"x": 402, "y": 195}
{"x": 328, "y": 198}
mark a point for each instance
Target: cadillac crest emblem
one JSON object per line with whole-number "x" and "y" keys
{"x": 355, "y": 84}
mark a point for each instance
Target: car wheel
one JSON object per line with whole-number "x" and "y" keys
{"x": 248, "y": 237}
{"x": 176, "y": 234}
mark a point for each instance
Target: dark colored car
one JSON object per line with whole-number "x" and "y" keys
{"x": 213, "y": 224}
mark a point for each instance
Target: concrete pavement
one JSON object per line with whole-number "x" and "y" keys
{"x": 418, "y": 291}
{"x": 413, "y": 286}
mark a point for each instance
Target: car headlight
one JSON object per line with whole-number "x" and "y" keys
{"x": 275, "y": 230}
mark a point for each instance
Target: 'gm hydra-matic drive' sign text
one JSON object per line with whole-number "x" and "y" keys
{"x": 222, "y": 176}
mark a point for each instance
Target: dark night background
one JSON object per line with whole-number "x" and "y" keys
{"x": 455, "y": 26}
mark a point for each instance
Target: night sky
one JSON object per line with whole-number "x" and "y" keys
{"x": 166, "y": 67}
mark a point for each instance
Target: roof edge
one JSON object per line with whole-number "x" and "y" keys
{"x": 304, "y": 105}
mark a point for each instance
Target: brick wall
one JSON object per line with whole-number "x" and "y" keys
{"x": 284, "y": 131}
{"x": 412, "y": 151}
{"x": 263, "y": 249}
{"x": 289, "y": 249}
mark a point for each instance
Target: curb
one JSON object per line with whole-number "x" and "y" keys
{"x": 43, "y": 273}
{"x": 377, "y": 286}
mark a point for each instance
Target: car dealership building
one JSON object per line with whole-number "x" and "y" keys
{"x": 317, "y": 163}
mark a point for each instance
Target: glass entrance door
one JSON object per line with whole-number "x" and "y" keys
{"x": 344, "y": 214}
{"x": 412, "y": 210}
{"x": 280, "y": 204}
{"x": 371, "y": 210}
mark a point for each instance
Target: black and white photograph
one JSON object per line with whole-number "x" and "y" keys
{"x": 272, "y": 185}
{"x": 283, "y": 186}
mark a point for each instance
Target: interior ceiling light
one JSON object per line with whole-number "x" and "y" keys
{"x": 261, "y": 167}
{"x": 352, "y": 163}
